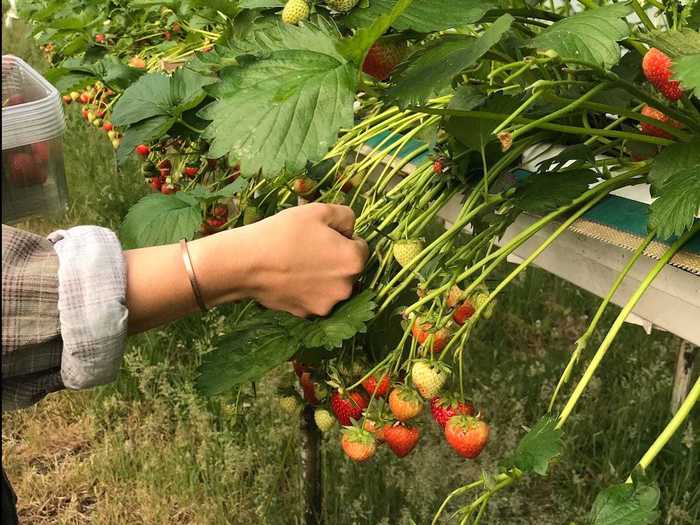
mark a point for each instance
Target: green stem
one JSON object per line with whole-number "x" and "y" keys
{"x": 583, "y": 340}
{"x": 673, "y": 425}
{"x": 574, "y": 130}
{"x": 642, "y": 14}
{"x": 560, "y": 112}
{"x": 617, "y": 324}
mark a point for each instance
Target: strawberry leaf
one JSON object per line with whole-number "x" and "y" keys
{"x": 252, "y": 350}
{"x": 347, "y": 319}
{"x": 143, "y": 133}
{"x": 626, "y": 504}
{"x": 538, "y": 447}
{"x": 674, "y": 42}
{"x": 686, "y": 70}
{"x": 267, "y": 339}
{"x": 673, "y": 158}
{"x": 590, "y": 36}
{"x": 544, "y": 192}
{"x": 424, "y": 16}
{"x": 674, "y": 211}
{"x": 159, "y": 219}
{"x": 431, "y": 69}
{"x": 157, "y": 94}
{"x": 355, "y": 48}
{"x": 285, "y": 108}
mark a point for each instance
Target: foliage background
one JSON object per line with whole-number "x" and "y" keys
{"x": 147, "y": 449}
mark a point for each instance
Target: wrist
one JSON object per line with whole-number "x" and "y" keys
{"x": 224, "y": 266}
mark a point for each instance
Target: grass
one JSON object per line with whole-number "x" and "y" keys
{"x": 147, "y": 449}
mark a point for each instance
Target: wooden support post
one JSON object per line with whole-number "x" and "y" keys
{"x": 311, "y": 468}
{"x": 683, "y": 375}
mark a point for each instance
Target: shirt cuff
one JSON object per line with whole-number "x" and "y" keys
{"x": 91, "y": 304}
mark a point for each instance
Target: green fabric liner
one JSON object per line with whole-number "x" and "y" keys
{"x": 616, "y": 212}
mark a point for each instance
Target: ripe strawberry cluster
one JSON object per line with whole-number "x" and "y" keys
{"x": 95, "y": 104}
{"x": 384, "y": 411}
{"x": 657, "y": 70}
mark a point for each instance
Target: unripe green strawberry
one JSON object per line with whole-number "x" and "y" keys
{"x": 407, "y": 250}
{"x": 342, "y": 6}
{"x": 479, "y": 300}
{"x": 429, "y": 377}
{"x": 290, "y": 404}
{"x": 295, "y": 11}
{"x": 324, "y": 419}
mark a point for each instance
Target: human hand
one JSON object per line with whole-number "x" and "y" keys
{"x": 304, "y": 260}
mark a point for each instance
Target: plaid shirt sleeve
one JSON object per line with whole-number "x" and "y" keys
{"x": 64, "y": 314}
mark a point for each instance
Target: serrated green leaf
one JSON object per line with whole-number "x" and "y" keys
{"x": 538, "y": 447}
{"x": 674, "y": 211}
{"x": 590, "y": 36}
{"x": 346, "y": 320}
{"x": 545, "y": 192}
{"x": 285, "y": 109}
{"x": 248, "y": 353}
{"x": 424, "y": 16}
{"x": 626, "y": 504}
{"x": 356, "y": 47}
{"x": 430, "y": 70}
{"x": 686, "y": 70}
{"x": 143, "y": 133}
{"x": 673, "y": 158}
{"x": 477, "y": 132}
{"x": 674, "y": 42}
{"x": 157, "y": 94}
{"x": 466, "y": 98}
{"x": 159, "y": 219}
{"x": 147, "y": 97}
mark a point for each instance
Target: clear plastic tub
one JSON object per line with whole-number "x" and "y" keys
{"x": 33, "y": 181}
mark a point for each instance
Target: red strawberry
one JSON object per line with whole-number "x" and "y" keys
{"x": 467, "y": 435}
{"x": 143, "y": 150}
{"x": 422, "y": 330}
{"x": 191, "y": 171}
{"x": 157, "y": 183}
{"x": 347, "y": 407}
{"x": 657, "y": 68}
{"x": 306, "y": 381}
{"x": 168, "y": 189}
{"x": 443, "y": 408}
{"x": 358, "y": 444}
{"x": 99, "y": 38}
{"x": 463, "y": 312}
{"x": 220, "y": 211}
{"x": 438, "y": 165}
{"x": 298, "y": 368}
{"x": 378, "y": 388}
{"x": 25, "y": 172}
{"x": 107, "y": 125}
{"x": 40, "y": 150}
{"x": 405, "y": 403}
{"x": 382, "y": 58}
{"x": 167, "y": 35}
{"x": 401, "y": 439}
{"x": 84, "y": 98}
{"x": 303, "y": 186}
{"x": 67, "y": 100}
{"x": 215, "y": 223}
{"x": 649, "y": 129}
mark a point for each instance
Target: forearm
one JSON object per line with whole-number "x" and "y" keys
{"x": 159, "y": 289}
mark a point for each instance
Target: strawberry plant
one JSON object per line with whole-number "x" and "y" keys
{"x": 238, "y": 110}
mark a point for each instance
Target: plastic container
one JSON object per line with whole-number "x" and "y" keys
{"x": 33, "y": 180}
